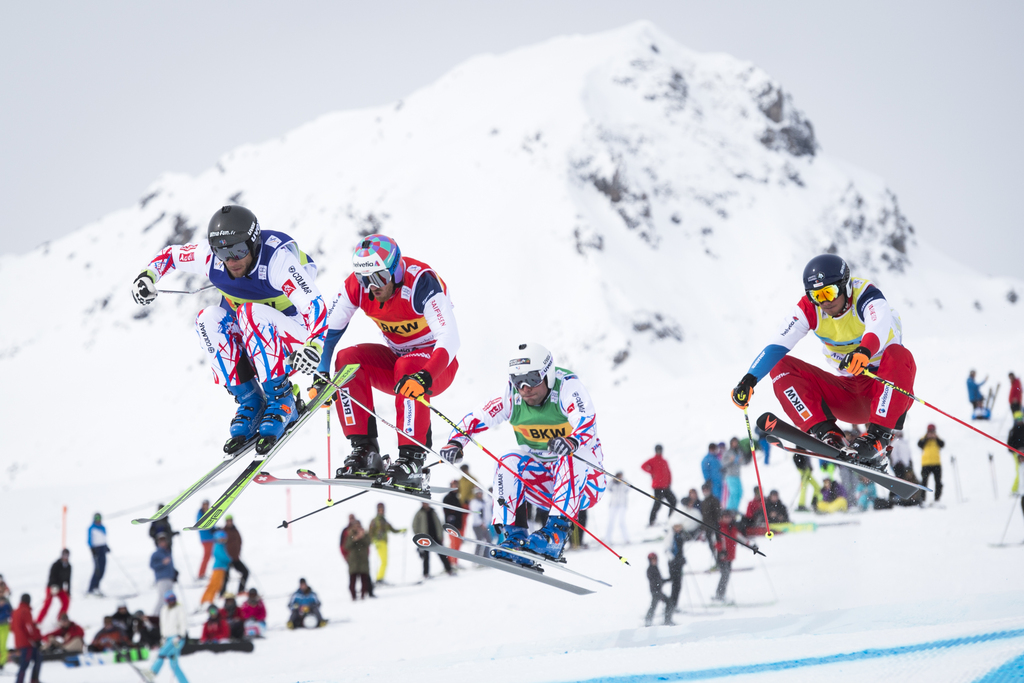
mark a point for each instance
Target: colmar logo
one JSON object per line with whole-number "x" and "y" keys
{"x": 299, "y": 280}
{"x": 798, "y": 404}
{"x": 572, "y": 407}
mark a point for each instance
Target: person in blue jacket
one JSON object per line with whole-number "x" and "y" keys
{"x": 99, "y": 548}
{"x": 221, "y": 562}
{"x": 304, "y": 601}
{"x": 975, "y": 396}
{"x": 711, "y": 468}
{"x": 164, "y": 572}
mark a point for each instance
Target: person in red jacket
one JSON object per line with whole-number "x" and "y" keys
{"x": 726, "y": 549}
{"x": 26, "y": 640}
{"x": 110, "y": 637}
{"x": 1015, "y": 396}
{"x": 68, "y": 637}
{"x": 661, "y": 479}
{"x": 216, "y": 627}
{"x": 254, "y": 615}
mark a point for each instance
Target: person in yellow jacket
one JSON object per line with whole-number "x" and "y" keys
{"x": 379, "y": 528}
{"x": 930, "y": 445}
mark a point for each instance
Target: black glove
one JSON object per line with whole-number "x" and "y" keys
{"x": 319, "y": 384}
{"x": 452, "y": 452}
{"x": 144, "y": 289}
{"x": 563, "y": 445}
{"x": 744, "y": 390}
{"x": 414, "y": 385}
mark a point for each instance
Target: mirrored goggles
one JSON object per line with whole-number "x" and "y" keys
{"x": 376, "y": 279}
{"x": 824, "y": 294}
{"x": 528, "y": 379}
{"x": 232, "y": 251}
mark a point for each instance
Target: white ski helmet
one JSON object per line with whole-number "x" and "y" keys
{"x": 530, "y": 365}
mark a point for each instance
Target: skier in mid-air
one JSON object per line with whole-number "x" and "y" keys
{"x": 409, "y": 302}
{"x": 271, "y": 318}
{"x": 859, "y": 330}
{"x": 555, "y": 423}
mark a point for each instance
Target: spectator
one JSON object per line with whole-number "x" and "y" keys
{"x": 803, "y": 466}
{"x": 975, "y": 396}
{"x": 833, "y": 497}
{"x": 425, "y": 521}
{"x": 1016, "y": 440}
{"x": 68, "y": 637}
{"x": 206, "y": 538}
{"x": 732, "y": 460}
{"x": 480, "y": 515}
{"x": 752, "y": 523}
{"x": 710, "y": 513}
{"x": 1015, "y": 397}
{"x": 58, "y": 584}
{"x": 930, "y": 445}
{"x": 344, "y": 535}
{"x": 27, "y": 640}
{"x": 676, "y": 560}
{"x": 777, "y": 512}
{"x": 379, "y": 529}
{"x": 726, "y": 551}
{"x": 617, "y": 501}
{"x": 233, "y": 545}
{"x": 99, "y": 548}
{"x": 164, "y": 572}
{"x": 454, "y": 517}
{"x": 466, "y": 487}
{"x": 122, "y": 618}
{"x": 865, "y": 494}
{"x": 230, "y": 614}
{"x": 655, "y": 581}
{"x": 711, "y": 468}
{"x": 661, "y": 479}
{"x": 762, "y": 441}
{"x": 358, "y": 545}
{"x": 900, "y": 458}
{"x": 162, "y": 526}
{"x": 304, "y": 602}
{"x": 145, "y": 633}
{"x": 5, "y": 620}
{"x": 221, "y": 560}
{"x": 174, "y": 628}
{"x": 109, "y": 637}
{"x": 216, "y": 627}
{"x": 254, "y": 615}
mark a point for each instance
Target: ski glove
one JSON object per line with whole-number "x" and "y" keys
{"x": 563, "y": 445}
{"x": 744, "y": 390}
{"x": 306, "y": 359}
{"x": 415, "y": 385}
{"x": 144, "y": 289}
{"x": 452, "y": 453}
{"x": 319, "y": 384}
{"x": 856, "y": 361}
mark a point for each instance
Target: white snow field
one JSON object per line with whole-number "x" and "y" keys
{"x": 643, "y": 210}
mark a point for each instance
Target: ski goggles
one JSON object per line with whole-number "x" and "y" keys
{"x": 528, "y": 379}
{"x": 377, "y": 279}
{"x": 823, "y": 294}
{"x": 232, "y": 251}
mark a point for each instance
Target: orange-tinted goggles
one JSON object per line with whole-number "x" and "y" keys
{"x": 826, "y": 293}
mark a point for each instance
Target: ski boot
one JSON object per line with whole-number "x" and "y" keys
{"x": 870, "y": 448}
{"x": 549, "y": 540}
{"x": 365, "y": 461}
{"x": 245, "y": 424}
{"x": 515, "y": 538}
{"x": 279, "y": 413}
{"x": 407, "y": 472}
{"x": 828, "y": 432}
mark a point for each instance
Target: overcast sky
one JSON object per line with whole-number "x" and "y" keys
{"x": 98, "y": 99}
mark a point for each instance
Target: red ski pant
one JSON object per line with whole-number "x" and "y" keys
{"x": 64, "y": 598}
{"x": 381, "y": 368}
{"x": 810, "y": 395}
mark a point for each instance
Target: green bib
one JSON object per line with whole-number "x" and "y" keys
{"x": 535, "y": 425}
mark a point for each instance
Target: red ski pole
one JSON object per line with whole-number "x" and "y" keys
{"x": 760, "y": 489}
{"x": 925, "y": 403}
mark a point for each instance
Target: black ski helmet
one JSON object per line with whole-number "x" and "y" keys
{"x": 233, "y": 225}
{"x": 827, "y": 269}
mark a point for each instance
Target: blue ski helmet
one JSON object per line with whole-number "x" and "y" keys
{"x": 827, "y": 269}
{"x": 376, "y": 261}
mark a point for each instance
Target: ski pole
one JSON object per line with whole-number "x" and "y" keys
{"x": 528, "y": 485}
{"x": 760, "y": 489}
{"x": 673, "y": 509}
{"x": 184, "y": 291}
{"x": 286, "y": 523}
{"x": 956, "y": 478}
{"x": 942, "y": 412}
{"x": 330, "y": 471}
{"x": 992, "y": 467}
{"x": 1013, "y": 508}
{"x": 126, "y": 574}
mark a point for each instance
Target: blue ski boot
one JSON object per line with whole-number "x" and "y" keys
{"x": 279, "y": 413}
{"x": 549, "y": 540}
{"x": 515, "y": 537}
{"x": 245, "y": 425}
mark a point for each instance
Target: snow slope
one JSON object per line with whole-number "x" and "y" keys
{"x": 643, "y": 210}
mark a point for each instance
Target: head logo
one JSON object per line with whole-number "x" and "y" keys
{"x": 425, "y": 542}
{"x": 770, "y": 423}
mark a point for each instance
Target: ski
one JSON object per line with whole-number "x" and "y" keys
{"x": 422, "y": 497}
{"x": 309, "y": 478}
{"x": 203, "y": 481}
{"x": 424, "y": 542}
{"x": 533, "y": 557}
{"x": 222, "y": 504}
{"x": 780, "y": 429}
{"x": 714, "y": 570}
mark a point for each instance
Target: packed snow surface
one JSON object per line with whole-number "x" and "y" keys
{"x": 645, "y": 212}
